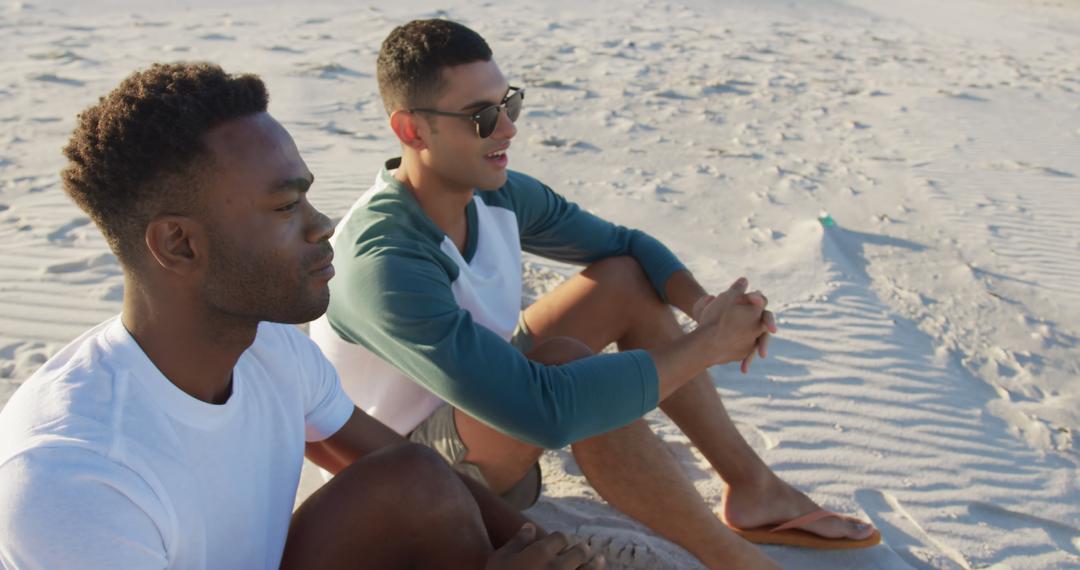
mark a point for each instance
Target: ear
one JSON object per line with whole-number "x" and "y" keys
{"x": 176, "y": 243}
{"x": 409, "y": 128}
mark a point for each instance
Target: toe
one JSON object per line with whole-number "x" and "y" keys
{"x": 859, "y": 530}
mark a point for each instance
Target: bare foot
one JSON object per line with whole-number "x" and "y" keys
{"x": 775, "y": 502}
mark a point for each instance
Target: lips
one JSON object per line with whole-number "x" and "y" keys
{"x": 498, "y": 156}
{"x": 324, "y": 267}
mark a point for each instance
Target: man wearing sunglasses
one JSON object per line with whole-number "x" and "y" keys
{"x": 426, "y": 331}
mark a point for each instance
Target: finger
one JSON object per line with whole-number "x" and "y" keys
{"x": 550, "y": 545}
{"x": 757, "y": 299}
{"x": 746, "y": 362}
{"x": 700, "y": 305}
{"x": 525, "y": 535}
{"x": 739, "y": 286}
{"x": 769, "y": 320}
{"x": 597, "y": 563}
{"x": 763, "y": 345}
{"x": 573, "y": 557}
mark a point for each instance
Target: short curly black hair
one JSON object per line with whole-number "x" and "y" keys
{"x": 411, "y": 59}
{"x": 140, "y": 151}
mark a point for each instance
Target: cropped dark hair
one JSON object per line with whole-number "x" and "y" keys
{"x": 140, "y": 151}
{"x": 411, "y": 59}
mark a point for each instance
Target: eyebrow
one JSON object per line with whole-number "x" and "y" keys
{"x": 298, "y": 184}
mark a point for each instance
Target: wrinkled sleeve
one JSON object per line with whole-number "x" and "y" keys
{"x": 553, "y": 227}
{"x": 401, "y": 307}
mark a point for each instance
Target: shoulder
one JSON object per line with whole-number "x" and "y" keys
{"x": 72, "y": 397}
{"x": 285, "y": 348}
{"x": 386, "y": 216}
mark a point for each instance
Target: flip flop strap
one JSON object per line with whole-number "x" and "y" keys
{"x": 805, "y": 520}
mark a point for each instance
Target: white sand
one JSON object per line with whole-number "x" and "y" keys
{"x": 926, "y": 372}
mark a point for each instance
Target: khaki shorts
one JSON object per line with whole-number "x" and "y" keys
{"x": 439, "y": 432}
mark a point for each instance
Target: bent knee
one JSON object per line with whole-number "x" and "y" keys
{"x": 405, "y": 464}
{"x": 624, "y": 272}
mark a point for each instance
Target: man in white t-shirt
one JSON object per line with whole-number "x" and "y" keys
{"x": 173, "y": 435}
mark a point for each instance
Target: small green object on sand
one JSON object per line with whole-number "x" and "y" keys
{"x": 827, "y": 221}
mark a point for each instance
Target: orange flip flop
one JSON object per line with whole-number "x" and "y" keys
{"x": 789, "y": 534}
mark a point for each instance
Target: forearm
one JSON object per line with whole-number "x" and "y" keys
{"x": 322, "y": 455}
{"x": 500, "y": 519}
{"x": 682, "y": 359}
{"x": 683, "y": 291}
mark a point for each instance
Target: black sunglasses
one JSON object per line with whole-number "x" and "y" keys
{"x": 487, "y": 119}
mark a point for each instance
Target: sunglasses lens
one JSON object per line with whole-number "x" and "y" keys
{"x": 486, "y": 121}
{"x": 513, "y": 105}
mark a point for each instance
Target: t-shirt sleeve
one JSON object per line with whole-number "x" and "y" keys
{"x": 400, "y": 306}
{"x": 326, "y": 406}
{"x": 553, "y": 227}
{"x": 72, "y": 508}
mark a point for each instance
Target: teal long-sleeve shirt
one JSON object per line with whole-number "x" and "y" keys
{"x": 406, "y": 294}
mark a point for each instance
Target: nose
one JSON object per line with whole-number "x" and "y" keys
{"x": 320, "y": 228}
{"x": 504, "y": 127}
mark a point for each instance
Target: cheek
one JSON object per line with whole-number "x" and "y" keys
{"x": 266, "y": 239}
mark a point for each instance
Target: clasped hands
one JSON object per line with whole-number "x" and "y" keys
{"x": 741, "y": 323}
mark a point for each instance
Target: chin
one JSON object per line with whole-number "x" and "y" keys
{"x": 493, "y": 183}
{"x": 304, "y": 312}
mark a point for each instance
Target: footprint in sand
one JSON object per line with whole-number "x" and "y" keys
{"x": 332, "y": 128}
{"x": 672, "y": 94}
{"x": 568, "y": 146}
{"x": 65, "y": 56}
{"x": 963, "y": 96}
{"x": 63, "y": 233}
{"x": 148, "y": 24}
{"x": 904, "y": 535}
{"x": 1019, "y": 166}
{"x": 215, "y": 37}
{"x": 622, "y": 548}
{"x": 733, "y": 86}
{"x": 285, "y": 49}
{"x": 1065, "y": 537}
{"x": 114, "y": 292}
{"x": 53, "y": 78}
{"x": 328, "y": 71}
{"x": 102, "y": 260}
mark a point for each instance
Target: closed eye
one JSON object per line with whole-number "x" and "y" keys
{"x": 289, "y": 207}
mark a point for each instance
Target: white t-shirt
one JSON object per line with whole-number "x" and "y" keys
{"x": 104, "y": 463}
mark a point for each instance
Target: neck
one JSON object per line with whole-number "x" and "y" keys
{"x": 443, "y": 202}
{"x": 193, "y": 346}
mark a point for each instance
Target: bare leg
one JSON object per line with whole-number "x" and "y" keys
{"x": 682, "y": 516}
{"x": 400, "y": 507}
{"x": 612, "y": 301}
{"x": 630, "y": 467}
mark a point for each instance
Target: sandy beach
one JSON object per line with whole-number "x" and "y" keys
{"x": 901, "y": 179}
